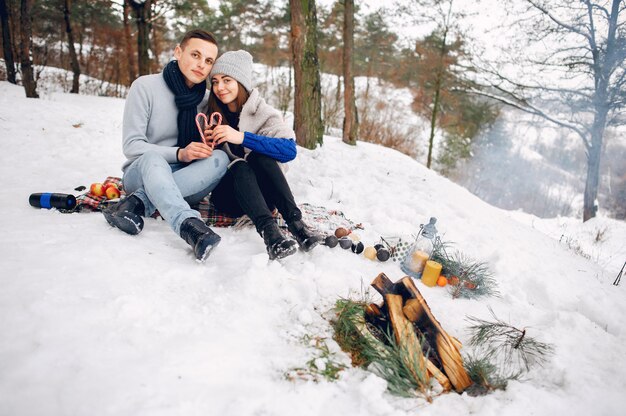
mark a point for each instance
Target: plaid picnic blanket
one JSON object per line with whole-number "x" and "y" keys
{"x": 90, "y": 202}
{"x": 319, "y": 217}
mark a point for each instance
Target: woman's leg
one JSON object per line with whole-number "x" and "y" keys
{"x": 239, "y": 191}
{"x": 249, "y": 196}
{"x": 276, "y": 190}
{"x": 223, "y": 196}
{"x": 274, "y": 186}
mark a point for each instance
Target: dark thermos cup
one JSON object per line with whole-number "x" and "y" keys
{"x": 50, "y": 200}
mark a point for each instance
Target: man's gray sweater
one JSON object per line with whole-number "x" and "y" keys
{"x": 150, "y": 116}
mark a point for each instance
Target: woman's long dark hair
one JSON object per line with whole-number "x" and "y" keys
{"x": 216, "y": 105}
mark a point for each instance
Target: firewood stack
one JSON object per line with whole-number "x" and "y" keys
{"x": 406, "y": 312}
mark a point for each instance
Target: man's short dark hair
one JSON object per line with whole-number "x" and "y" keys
{"x": 198, "y": 34}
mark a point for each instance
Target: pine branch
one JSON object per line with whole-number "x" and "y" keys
{"x": 383, "y": 355}
{"x": 500, "y": 340}
{"x": 486, "y": 375}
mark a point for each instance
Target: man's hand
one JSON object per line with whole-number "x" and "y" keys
{"x": 224, "y": 133}
{"x": 193, "y": 151}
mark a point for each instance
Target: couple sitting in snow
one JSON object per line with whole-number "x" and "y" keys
{"x": 170, "y": 166}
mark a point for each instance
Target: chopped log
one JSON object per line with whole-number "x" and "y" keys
{"x": 373, "y": 310}
{"x": 439, "y": 376}
{"x": 382, "y": 284}
{"x": 417, "y": 310}
{"x": 456, "y": 342}
{"x": 405, "y": 337}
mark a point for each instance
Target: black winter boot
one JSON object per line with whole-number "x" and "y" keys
{"x": 278, "y": 246}
{"x": 199, "y": 236}
{"x": 126, "y": 215}
{"x": 306, "y": 237}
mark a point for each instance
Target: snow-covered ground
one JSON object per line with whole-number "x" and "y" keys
{"x": 93, "y": 321}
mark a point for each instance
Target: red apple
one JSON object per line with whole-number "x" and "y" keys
{"x": 112, "y": 191}
{"x": 96, "y": 189}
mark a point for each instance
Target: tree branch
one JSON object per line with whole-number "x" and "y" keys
{"x": 530, "y": 109}
{"x": 558, "y": 21}
{"x": 585, "y": 93}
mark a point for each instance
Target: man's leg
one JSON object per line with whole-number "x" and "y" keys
{"x": 150, "y": 178}
{"x": 197, "y": 179}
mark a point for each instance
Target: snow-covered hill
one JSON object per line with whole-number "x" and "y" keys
{"x": 96, "y": 322}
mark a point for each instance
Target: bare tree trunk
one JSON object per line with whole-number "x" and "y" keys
{"x": 602, "y": 69}
{"x": 130, "y": 57}
{"x": 308, "y": 97}
{"x": 67, "y": 11}
{"x": 433, "y": 120}
{"x": 5, "y": 16}
{"x": 438, "y": 87}
{"x": 351, "y": 118}
{"x": 142, "y": 17}
{"x": 594, "y": 149}
{"x": 28, "y": 79}
{"x": 81, "y": 57}
{"x": 156, "y": 48}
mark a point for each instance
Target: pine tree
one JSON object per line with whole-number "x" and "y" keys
{"x": 142, "y": 10}
{"x": 7, "y": 43}
{"x": 26, "y": 39}
{"x": 307, "y": 102}
{"x": 351, "y": 117}
{"x": 67, "y": 13}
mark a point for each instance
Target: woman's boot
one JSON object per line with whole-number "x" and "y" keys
{"x": 306, "y": 237}
{"x": 278, "y": 246}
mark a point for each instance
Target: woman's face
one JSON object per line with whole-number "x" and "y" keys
{"x": 225, "y": 89}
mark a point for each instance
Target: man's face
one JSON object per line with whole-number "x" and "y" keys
{"x": 195, "y": 60}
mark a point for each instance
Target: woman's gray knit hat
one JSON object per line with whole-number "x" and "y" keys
{"x": 237, "y": 65}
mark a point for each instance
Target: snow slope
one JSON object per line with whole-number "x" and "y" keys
{"x": 96, "y": 322}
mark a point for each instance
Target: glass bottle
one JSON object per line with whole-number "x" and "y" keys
{"x": 422, "y": 249}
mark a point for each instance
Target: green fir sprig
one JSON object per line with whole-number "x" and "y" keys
{"x": 503, "y": 342}
{"x": 385, "y": 357}
{"x": 487, "y": 375}
{"x": 467, "y": 278}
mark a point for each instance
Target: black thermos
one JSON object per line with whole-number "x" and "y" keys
{"x": 50, "y": 200}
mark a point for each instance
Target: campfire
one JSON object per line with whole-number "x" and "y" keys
{"x": 427, "y": 349}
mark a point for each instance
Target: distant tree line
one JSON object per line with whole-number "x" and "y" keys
{"x": 117, "y": 40}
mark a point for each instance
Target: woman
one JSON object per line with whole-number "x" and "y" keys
{"x": 257, "y": 140}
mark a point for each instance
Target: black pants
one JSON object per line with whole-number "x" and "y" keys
{"x": 255, "y": 187}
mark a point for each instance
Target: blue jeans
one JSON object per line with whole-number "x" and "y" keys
{"x": 170, "y": 188}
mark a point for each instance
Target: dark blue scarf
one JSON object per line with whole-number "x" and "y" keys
{"x": 187, "y": 100}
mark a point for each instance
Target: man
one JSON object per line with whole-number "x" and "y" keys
{"x": 168, "y": 165}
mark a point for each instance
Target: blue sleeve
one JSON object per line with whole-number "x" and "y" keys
{"x": 283, "y": 150}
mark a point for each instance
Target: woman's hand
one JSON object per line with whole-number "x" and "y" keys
{"x": 193, "y": 151}
{"x": 225, "y": 133}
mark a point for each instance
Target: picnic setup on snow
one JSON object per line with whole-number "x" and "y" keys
{"x": 397, "y": 337}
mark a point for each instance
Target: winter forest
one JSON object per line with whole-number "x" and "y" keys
{"x": 525, "y": 109}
